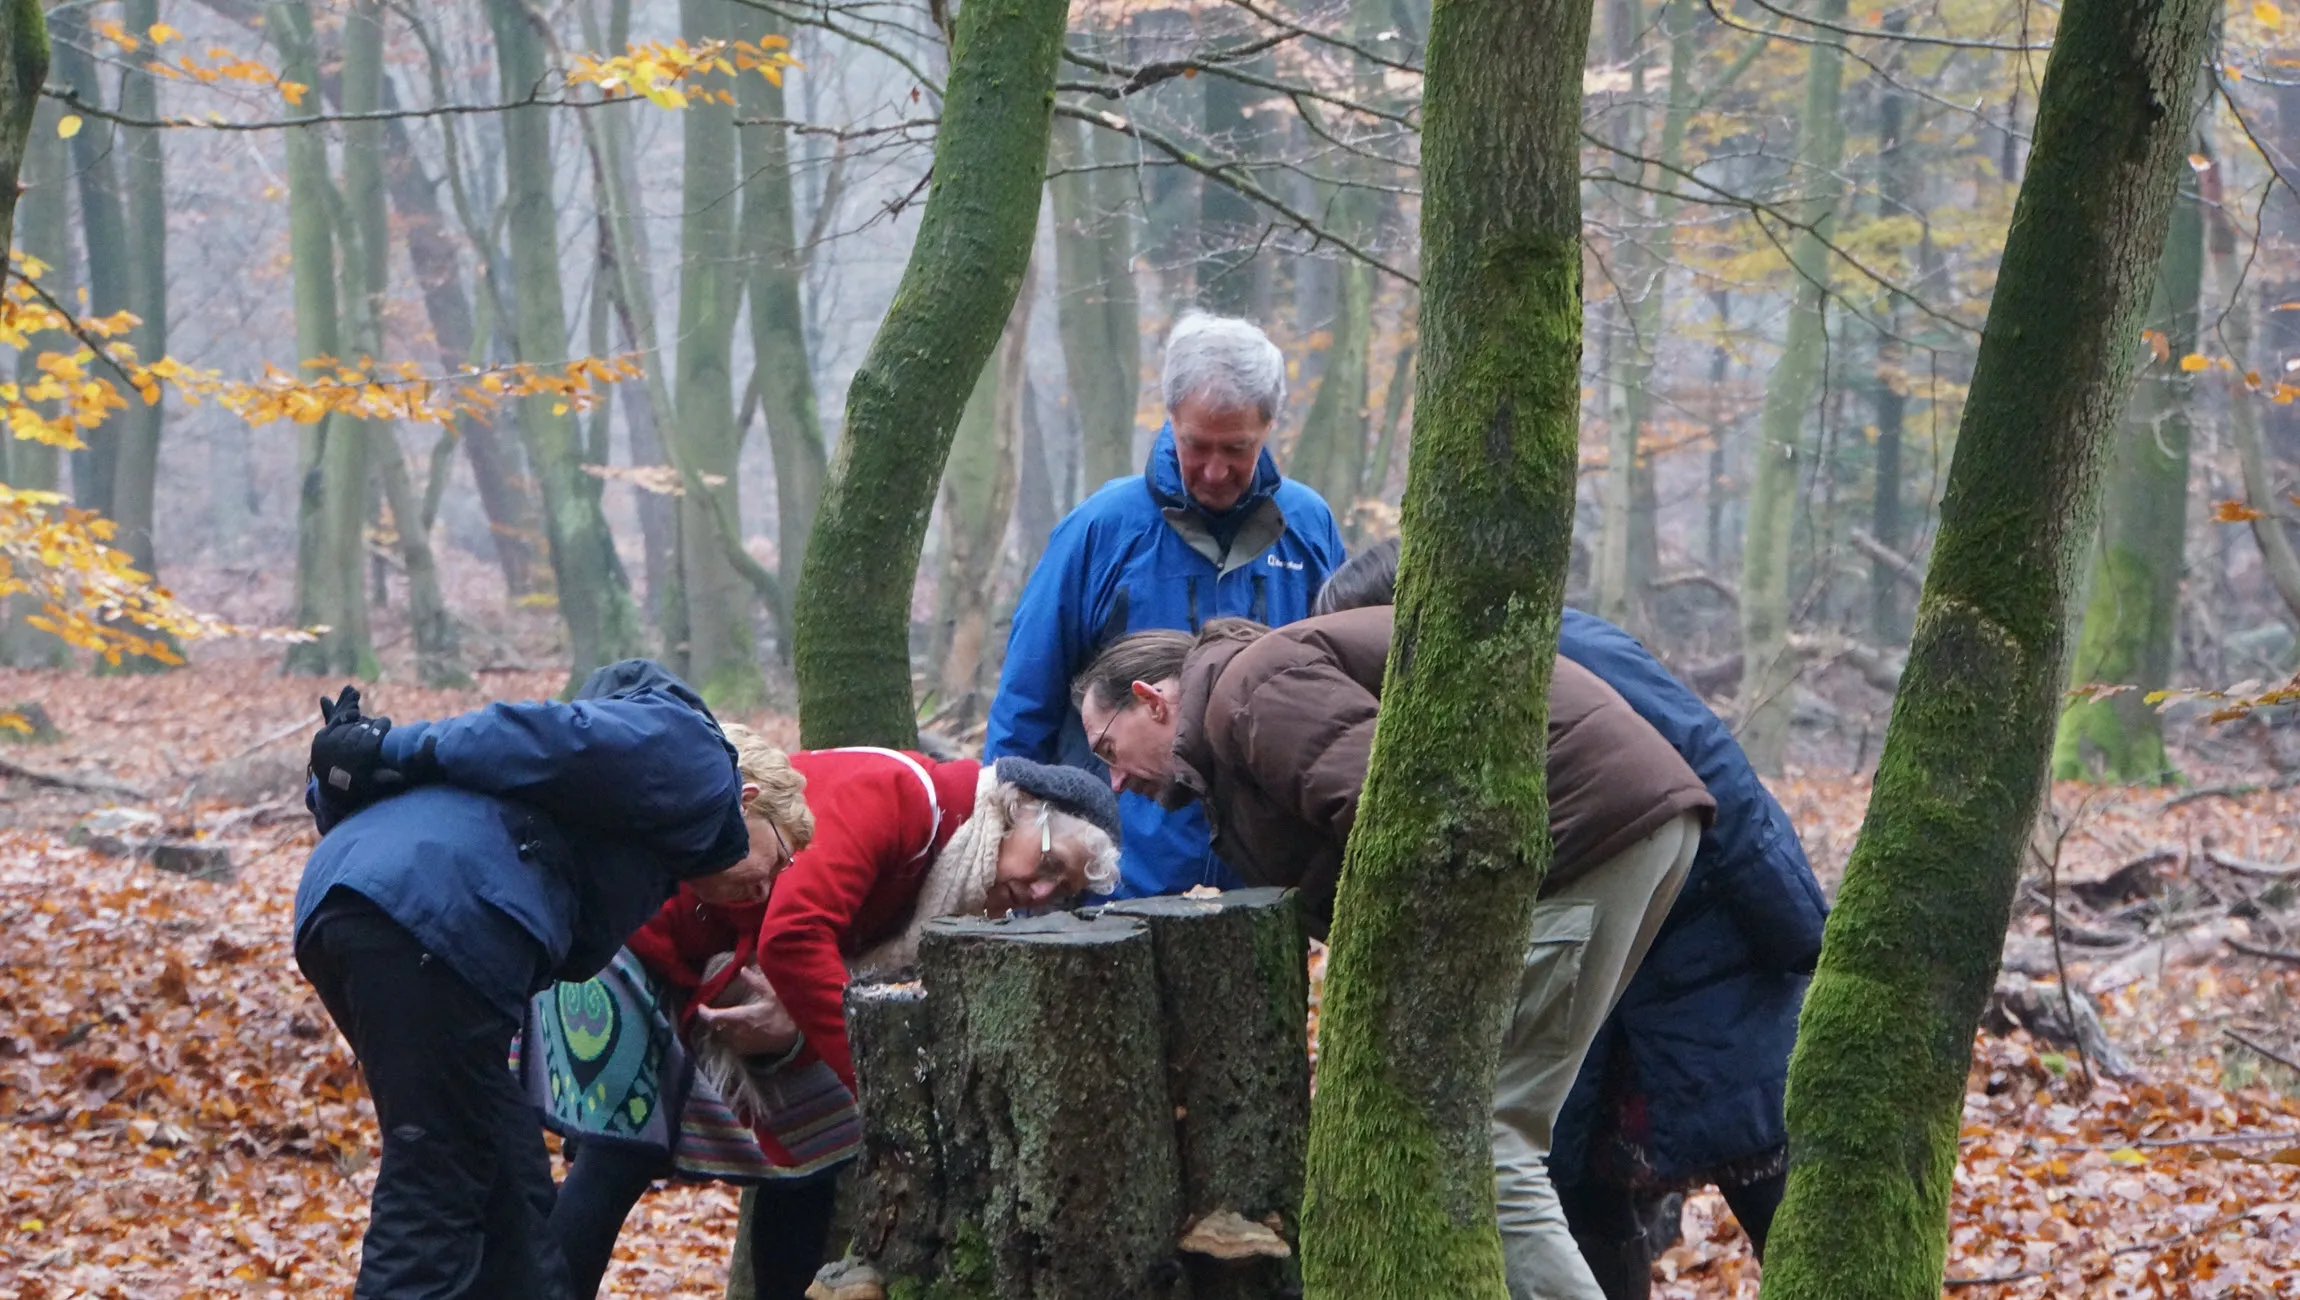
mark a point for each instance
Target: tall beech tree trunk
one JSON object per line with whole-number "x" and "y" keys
{"x": 1768, "y": 666}
{"x": 625, "y": 256}
{"x": 2132, "y": 613}
{"x": 785, "y": 374}
{"x": 42, "y": 225}
{"x": 1094, "y": 296}
{"x": 593, "y": 593}
{"x": 1451, "y": 841}
{"x": 853, "y": 609}
{"x": 146, "y": 211}
{"x": 103, "y": 239}
{"x": 1227, "y": 222}
{"x": 1628, "y": 548}
{"x": 2269, "y": 530}
{"x": 367, "y": 278}
{"x": 1889, "y": 384}
{"x": 978, "y": 488}
{"x": 504, "y": 493}
{"x": 722, "y": 650}
{"x": 1877, "y": 1085}
{"x": 331, "y": 519}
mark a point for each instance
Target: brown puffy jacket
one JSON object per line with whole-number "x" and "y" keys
{"x": 1274, "y": 729}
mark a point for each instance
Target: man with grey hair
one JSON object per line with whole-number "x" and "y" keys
{"x": 1208, "y": 530}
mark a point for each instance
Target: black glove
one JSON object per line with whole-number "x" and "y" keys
{"x": 347, "y": 756}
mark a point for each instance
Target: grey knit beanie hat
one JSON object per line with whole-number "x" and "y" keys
{"x": 1072, "y": 790}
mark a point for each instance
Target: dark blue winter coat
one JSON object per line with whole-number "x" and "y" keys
{"x": 1704, "y": 1029}
{"x": 547, "y": 832}
{"x": 1141, "y": 554}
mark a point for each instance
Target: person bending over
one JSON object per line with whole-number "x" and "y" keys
{"x": 1272, "y": 731}
{"x": 463, "y": 865}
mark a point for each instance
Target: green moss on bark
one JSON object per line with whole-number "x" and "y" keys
{"x": 1876, "y": 1085}
{"x": 853, "y": 608}
{"x": 1451, "y": 841}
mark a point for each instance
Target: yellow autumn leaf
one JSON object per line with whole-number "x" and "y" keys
{"x": 293, "y": 92}
{"x": 67, "y": 126}
{"x": 2194, "y": 362}
{"x": 161, "y": 34}
{"x": 2234, "y": 512}
{"x": 2268, "y": 14}
{"x": 2127, "y": 1156}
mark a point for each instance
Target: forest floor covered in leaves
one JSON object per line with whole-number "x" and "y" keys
{"x": 178, "y": 1118}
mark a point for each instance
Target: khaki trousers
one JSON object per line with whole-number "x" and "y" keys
{"x": 1586, "y": 941}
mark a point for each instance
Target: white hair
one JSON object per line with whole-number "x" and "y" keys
{"x": 1101, "y": 852}
{"x": 1225, "y": 361}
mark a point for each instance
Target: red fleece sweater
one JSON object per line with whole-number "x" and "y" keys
{"x": 852, "y": 887}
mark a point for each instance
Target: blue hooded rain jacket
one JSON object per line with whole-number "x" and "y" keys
{"x": 548, "y": 833}
{"x": 1140, "y": 554}
{"x": 1704, "y": 1029}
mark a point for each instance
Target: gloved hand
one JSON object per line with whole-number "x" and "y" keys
{"x": 347, "y": 761}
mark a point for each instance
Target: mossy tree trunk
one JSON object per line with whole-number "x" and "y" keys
{"x": 1095, "y": 301}
{"x": 366, "y": 243}
{"x": 2132, "y": 613}
{"x": 785, "y": 374}
{"x": 722, "y": 650}
{"x": 23, "y": 70}
{"x": 1452, "y": 842}
{"x": 1877, "y": 1085}
{"x": 1768, "y": 666}
{"x": 978, "y": 488}
{"x": 974, "y": 240}
{"x": 42, "y": 229}
{"x": 331, "y": 519}
{"x": 594, "y": 595}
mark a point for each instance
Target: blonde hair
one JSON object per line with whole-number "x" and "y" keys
{"x": 782, "y": 797}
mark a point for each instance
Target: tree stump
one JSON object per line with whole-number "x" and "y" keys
{"x": 1056, "y": 1142}
{"x": 899, "y": 1173}
{"x": 1233, "y": 992}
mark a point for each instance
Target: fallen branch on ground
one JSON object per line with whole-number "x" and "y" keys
{"x": 85, "y": 785}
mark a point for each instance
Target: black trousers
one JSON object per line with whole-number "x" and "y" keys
{"x": 1607, "y": 1223}
{"x": 790, "y": 1222}
{"x": 463, "y": 1194}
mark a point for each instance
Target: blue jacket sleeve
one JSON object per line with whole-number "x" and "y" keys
{"x": 1043, "y": 650}
{"x": 645, "y": 766}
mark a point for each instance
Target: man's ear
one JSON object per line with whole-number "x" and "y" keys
{"x": 1153, "y": 699}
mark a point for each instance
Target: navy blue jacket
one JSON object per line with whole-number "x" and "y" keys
{"x": 1141, "y": 554}
{"x": 547, "y": 832}
{"x": 1704, "y": 1029}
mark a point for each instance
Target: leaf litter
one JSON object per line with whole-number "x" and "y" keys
{"x": 178, "y": 1117}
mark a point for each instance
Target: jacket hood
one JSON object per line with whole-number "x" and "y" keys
{"x": 1164, "y": 475}
{"x": 622, "y": 680}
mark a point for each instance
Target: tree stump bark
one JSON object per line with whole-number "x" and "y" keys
{"x": 1233, "y": 993}
{"x": 1056, "y": 1142}
{"x": 899, "y": 1178}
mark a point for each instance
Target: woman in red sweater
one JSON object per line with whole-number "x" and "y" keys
{"x": 758, "y": 989}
